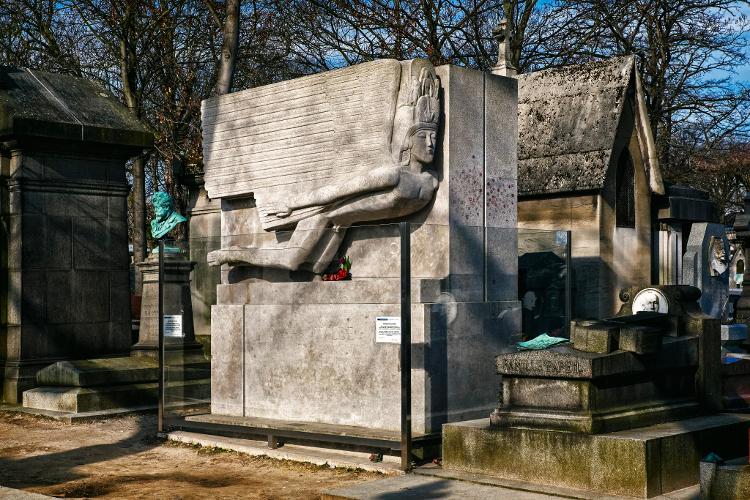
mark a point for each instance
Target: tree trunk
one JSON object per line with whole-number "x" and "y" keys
{"x": 139, "y": 217}
{"x": 128, "y": 62}
{"x": 229, "y": 48}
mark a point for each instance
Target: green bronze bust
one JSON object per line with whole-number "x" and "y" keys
{"x": 165, "y": 216}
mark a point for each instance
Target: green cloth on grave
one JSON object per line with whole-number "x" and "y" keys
{"x": 542, "y": 341}
{"x": 713, "y": 458}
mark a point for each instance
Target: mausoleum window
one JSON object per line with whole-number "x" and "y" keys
{"x": 625, "y": 192}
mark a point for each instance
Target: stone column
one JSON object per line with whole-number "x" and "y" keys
{"x": 177, "y": 301}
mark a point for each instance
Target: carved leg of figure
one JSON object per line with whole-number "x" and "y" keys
{"x": 263, "y": 257}
{"x": 331, "y": 247}
{"x": 306, "y": 235}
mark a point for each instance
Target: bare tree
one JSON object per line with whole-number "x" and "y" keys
{"x": 685, "y": 46}
{"x": 229, "y": 47}
{"x": 329, "y": 34}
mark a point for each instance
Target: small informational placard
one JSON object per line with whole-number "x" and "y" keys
{"x": 388, "y": 329}
{"x": 173, "y": 325}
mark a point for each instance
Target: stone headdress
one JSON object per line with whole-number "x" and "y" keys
{"x": 420, "y": 111}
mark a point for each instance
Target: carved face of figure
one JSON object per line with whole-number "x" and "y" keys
{"x": 423, "y": 147}
{"x": 162, "y": 206}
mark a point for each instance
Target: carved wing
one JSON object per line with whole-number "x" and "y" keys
{"x": 295, "y": 136}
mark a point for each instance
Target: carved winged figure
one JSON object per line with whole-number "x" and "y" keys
{"x": 387, "y": 192}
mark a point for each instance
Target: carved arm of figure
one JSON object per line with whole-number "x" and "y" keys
{"x": 378, "y": 179}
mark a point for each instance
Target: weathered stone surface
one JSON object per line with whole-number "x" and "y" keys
{"x": 585, "y": 407}
{"x": 228, "y": 366}
{"x": 382, "y": 291}
{"x": 640, "y": 339}
{"x": 177, "y": 301}
{"x": 640, "y": 463}
{"x": 369, "y": 166}
{"x": 67, "y": 258}
{"x": 205, "y": 236}
{"x": 566, "y": 362}
{"x": 596, "y": 337}
{"x": 120, "y": 370}
{"x": 309, "y": 344}
{"x": 295, "y": 368}
{"x": 63, "y": 165}
{"x": 557, "y": 109}
{"x": 39, "y": 104}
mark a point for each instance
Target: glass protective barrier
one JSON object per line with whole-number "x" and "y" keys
{"x": 544, "y": 282}
{"x": 367, "y": 338}
{"x": 304, "y": 338}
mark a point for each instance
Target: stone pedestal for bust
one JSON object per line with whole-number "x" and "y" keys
{"x": 64, "y": 142}
{"x": 177, "y": 301}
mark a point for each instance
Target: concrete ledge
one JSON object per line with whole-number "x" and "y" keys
{"x": 296, "y": 453}
{"x": 356, "y": 291}
{"x": 641, "y": 462}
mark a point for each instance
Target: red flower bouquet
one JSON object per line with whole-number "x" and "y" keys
{"x": 343, "y": 273}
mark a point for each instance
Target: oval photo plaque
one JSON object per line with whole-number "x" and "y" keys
{"x": 651, "y": 300}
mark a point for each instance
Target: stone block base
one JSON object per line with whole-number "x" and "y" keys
{"x": 598, "y": 422}
{"x": 315, "y": 357}
{"x": 92, "y": 399}
{"x": 641, "y": 462}
{"x": 94, "y": 385}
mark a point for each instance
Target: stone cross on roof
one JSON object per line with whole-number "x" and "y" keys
{"x": 504, "y": 66}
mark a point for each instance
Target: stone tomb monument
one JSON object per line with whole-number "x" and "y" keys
{"x": 313, "y": 169}
{"x": 64, "y": 142}
{"x": 625, "y": 411}
{"x": 110, "y": 385}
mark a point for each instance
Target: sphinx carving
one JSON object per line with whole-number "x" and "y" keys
{"x": 385, "y": 186}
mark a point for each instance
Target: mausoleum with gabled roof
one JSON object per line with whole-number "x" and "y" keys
{"x": 587, "y": 163}
{"x": 64, "y": 294}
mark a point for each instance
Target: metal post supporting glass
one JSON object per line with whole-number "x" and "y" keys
{"x": 160, "y": 416}
{"x": 568, "y": 281}
{"x": 405, "y": 350}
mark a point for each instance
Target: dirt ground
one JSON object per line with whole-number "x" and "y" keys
{"x": 123, "y": 458}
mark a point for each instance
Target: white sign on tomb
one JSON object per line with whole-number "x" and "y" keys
{"x": 388, "y": 330}
{"x": 173, "y": 325}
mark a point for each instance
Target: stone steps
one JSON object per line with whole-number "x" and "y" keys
{"x": 642, "y": 462}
